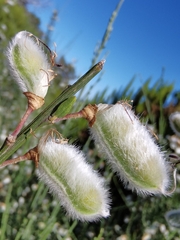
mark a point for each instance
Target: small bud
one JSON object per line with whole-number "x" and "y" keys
{"x": 63, "y": 169}
{"x": 174, "y": 119}
{"x": 29, "y": 64}
{"x": 130, "y": 149}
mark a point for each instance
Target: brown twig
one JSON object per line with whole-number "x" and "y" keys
{"x": 32, "y": 154}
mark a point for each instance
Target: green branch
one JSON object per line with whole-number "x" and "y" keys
{"x": 7, "y": 151}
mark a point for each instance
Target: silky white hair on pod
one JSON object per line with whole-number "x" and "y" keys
{"x": 29, "y": 64}
{"x": 130, "y": 149}
{"x": 80, "y": 190}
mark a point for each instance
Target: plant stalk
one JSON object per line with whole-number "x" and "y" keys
{"x": 49, "y": 111}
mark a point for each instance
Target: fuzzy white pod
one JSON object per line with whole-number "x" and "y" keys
{"x": 29, "y": 64}
{"x": 174, "y": 119}
{"x": 130, "y": 149}
{"x": 62, "y": 167}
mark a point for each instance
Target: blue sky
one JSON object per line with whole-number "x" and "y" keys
{"x": 145, "y": 38}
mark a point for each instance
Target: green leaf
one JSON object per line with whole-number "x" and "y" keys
{"x": 64, "y": 107}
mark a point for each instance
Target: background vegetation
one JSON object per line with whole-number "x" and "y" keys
{"x": 27, "y": 211}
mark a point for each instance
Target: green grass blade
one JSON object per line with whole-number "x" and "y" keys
{"x": 5, "y": 216}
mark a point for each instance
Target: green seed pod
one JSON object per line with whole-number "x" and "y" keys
{"x": 62, "y": 167}
{"x": 130, "y": 149}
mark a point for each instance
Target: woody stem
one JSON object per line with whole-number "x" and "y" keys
{"x": 32, "y": 154}
{"x": 14, "y": 160}
{"x": 12, "y": 137}
{"x": 69, "y": 116}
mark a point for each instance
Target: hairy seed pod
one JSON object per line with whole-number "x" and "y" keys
{"x": 80, "y": 190}
{"x": 29, "y": 64}
{"x": 130, "y": 149}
